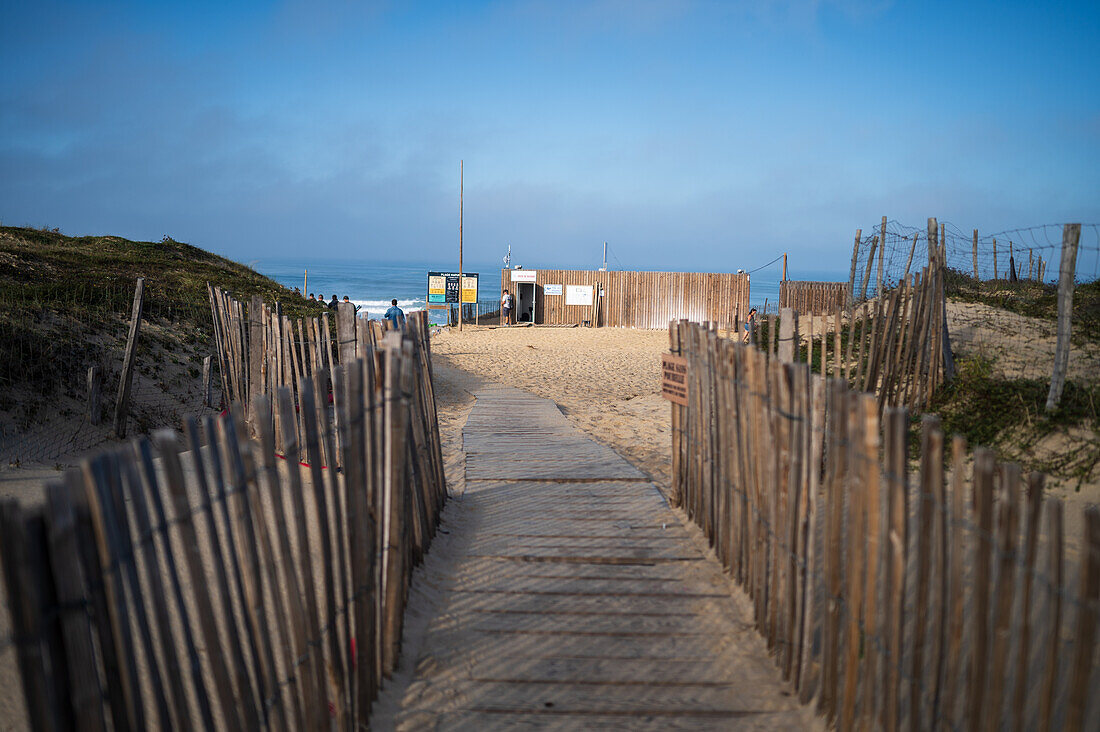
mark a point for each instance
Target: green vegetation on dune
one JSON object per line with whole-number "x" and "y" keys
{"x": 1010, "y": 416}
{"x": 65, "y": 303}
{"x": 46, "y": 269}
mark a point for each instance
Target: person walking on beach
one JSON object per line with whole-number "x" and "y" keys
{"x": 396, "y": 315}
{"x": 506, "y": 308}
{"x": 750, "y": 325}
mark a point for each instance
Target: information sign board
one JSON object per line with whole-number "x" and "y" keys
{"x": 437, "y": 287}
{"x": 551, "y": 289}
{"x": 578, "y": 294}
{"x": 674, "y": 378}
{"x": 443, "y": 287}
{"x": 469, "y": 287}
{"x": 524, "y": 275}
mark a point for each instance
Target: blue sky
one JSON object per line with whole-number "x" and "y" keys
{"x": 698, "y": 135}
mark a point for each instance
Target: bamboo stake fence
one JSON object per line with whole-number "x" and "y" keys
{"x": 927, "y": 601}
{"x": 200, "y": 580}
{"x": 896, "y": 345}
{"x": 260, "y": 350}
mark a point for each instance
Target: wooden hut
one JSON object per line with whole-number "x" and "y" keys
{"x": 625, "y": 299}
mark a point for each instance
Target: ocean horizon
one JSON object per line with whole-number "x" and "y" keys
{"x": 372, "y": 286}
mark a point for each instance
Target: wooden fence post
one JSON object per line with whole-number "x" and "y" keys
{"x": 393, "y": 511}
{"x": 909, "y": 261}
{"x": 897, "y": 424}
{"x": 72, "y": 591}
{"x": 788, "y": 334}
{"x": 1071, "y": 235}
{"x": 122, "y": 404}
{"x": 870, "y": 263}
{"x": 979, "y": 656}
{"x": 1004, "y": 592}
{"x": 207, "y": 384}
{"x": 255, "y": 356}
{"x": 852, "y": 274}
{"x": 1055, "y": 577}
{"x": 996, "y": 275}
{"x": 1085, "y": 636}
{"x": 931, "y": 472}
{"x": 881, "y": 258}
{"x": 26, "y": 615}
{"x": 95, "y": 384}
{"x": 677, "y": 421}
{"x": 976, "y": 256}
{"x": 1034, "y": 505}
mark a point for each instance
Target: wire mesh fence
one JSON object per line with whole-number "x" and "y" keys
{"x": 1002, "y": 291}
{"x": 61, "y": 357}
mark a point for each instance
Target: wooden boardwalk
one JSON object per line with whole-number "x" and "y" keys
{"x": 562, "y": 592}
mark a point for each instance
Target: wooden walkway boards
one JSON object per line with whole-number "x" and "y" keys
{"x": 562, "y": 592}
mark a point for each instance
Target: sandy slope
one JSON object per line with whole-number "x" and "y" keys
{"x": 1019, "y": 346}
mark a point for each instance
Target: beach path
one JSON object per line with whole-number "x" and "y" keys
{"x": 563, "y": 592}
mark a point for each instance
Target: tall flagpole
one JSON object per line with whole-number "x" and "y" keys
{"x": 460, "y": 165}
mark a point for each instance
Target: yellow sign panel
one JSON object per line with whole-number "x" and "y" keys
{"x": 437, "y": 285}
{"x": 469, "y": 289}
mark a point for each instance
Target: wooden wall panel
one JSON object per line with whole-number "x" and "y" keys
{"x": 641, "y": 299}
{"x": 813, "y": 298}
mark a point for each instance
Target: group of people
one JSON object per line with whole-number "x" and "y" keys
{"x": 331, "y": 303}
{"x": 395, "y": 315}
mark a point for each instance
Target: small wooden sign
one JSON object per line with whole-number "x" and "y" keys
{"x": 674, "y": 371}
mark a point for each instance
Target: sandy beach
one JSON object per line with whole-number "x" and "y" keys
{"x": 605, "y": 380}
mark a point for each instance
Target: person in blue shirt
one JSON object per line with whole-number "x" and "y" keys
{"x": 396, "y": 315}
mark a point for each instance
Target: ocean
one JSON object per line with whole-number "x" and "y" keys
{"x": 372, "y": 286}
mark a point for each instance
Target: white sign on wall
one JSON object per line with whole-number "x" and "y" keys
{"x": 578, "y": 294}
{"x": 524, "y": 275}
{"x": 551, "y": 289}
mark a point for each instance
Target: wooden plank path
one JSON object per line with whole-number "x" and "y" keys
{"x": 562, "y": 592}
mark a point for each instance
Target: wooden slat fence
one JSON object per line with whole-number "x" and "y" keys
{"x": 640, "y": 299}
{"x": 260, "y": 350}
{"x": 896, "y": 346}
{"x": 813, "y": 298}
{"x": 893, "y": 597}
{"x": 198, "y": 580}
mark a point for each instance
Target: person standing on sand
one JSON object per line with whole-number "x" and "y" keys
{"x": 750, "y": 324}
{"x": 506, "y": 308}
{"x": 396, "y": 315}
